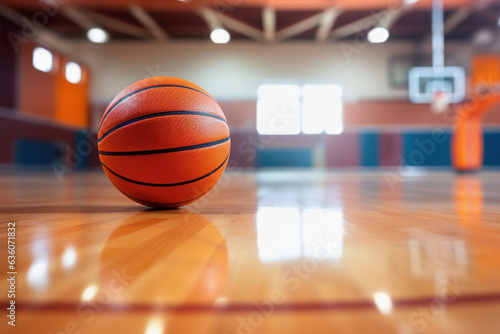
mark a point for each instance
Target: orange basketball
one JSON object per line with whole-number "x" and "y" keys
{"x": 163, "y": 142}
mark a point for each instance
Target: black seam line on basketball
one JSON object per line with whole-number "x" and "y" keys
{"x": 153, "y": 203}
{"x": 160, "y": 114}
{"x": 167, "y": 150}
{"x": 165, "y": 184}
{"x": 146, "y": 88}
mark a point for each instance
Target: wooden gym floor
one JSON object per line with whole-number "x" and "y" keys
{"x": 266, "y": 252}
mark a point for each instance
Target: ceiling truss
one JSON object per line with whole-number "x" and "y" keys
{"x": 320, "y": 26}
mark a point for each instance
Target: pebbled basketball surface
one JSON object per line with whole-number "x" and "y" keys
{"x": 163, "y": 142}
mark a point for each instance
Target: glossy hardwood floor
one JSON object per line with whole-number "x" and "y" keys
{"x": 267, "y": 252}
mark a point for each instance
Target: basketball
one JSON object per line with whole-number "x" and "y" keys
{"x": 163, "y": 142}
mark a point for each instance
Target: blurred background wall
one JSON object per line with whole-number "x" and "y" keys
{"x": 45, "y": 118}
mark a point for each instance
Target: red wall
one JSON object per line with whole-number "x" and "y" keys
{"x": 38, "y": 106}
{"x": 35, "y": 88}
{"x": 241, "y": 115}
{"x": 12, "y": 129}
{"x": 8, "y": 64}
{"x": 403, "y": 113}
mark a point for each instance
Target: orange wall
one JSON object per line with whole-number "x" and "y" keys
{"x": 71, "y": 100}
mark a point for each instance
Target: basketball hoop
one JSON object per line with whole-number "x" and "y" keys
{"x": 438, "y": 84}
{"x": 440, "y": 102}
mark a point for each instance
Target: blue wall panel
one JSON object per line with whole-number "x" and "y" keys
{"x": 34, "y": 152}
{"x": 369, "y": 149}
{"x": 491, "y": 148}
{"x": 81, "y": 153}
{"x": 427, "y": 148}
{"x": 284, "y": 157}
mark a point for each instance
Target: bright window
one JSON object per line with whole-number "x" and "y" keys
{"x": 278, "y": 109}
{"x": 42, "y": 59}
{"x": 291, "y": 109}
{"x": 322, "y": 109}
{"x": 73, "y": 72}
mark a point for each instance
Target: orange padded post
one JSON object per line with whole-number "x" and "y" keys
{"x": 467, "y": 144}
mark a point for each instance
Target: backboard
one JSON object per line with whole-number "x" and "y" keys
{"x": 425, "y": 82}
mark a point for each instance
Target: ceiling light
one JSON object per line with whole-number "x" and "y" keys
{"x": 410, "y": 2}
{"x": 97, "y": 35}
{"x": 220, "y": 36}
{"x": 378, "y": 35}
{"x": 483, "y": 37}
